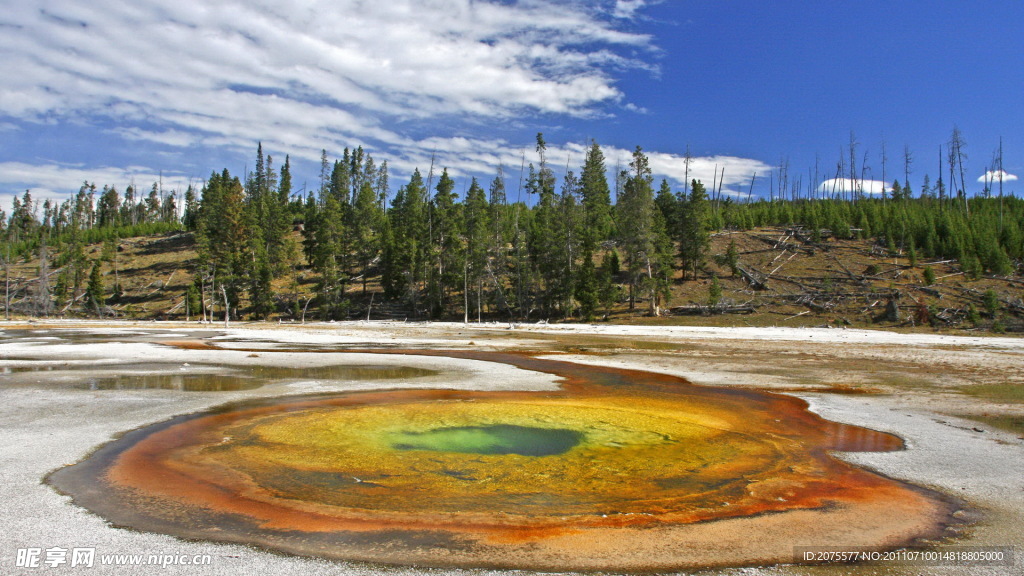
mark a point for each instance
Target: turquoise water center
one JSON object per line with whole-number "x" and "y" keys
{"x": 491, "y": 440}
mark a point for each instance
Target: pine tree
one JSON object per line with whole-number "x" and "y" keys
{"x": 447, "y": 251}
{"x": 897, "y": 191}
{"x": 929, "y": 276}
{"x": 588, "y": 290}
{"x": 695, "y": 235}
{"x": 545, "y": 247}
{"x": 192, "y": 301}
{"x": 569, "y": 234}
{"x": 972, "y": 314}
{"x": 596, "y": 197}
{"x": 990, "y": 301}
{"x": 327, "y": 245}
{"x": 310, "y": 221}
{"x": 109, "y": 209}
{"x": 95, "y": 292}
{"x": 477, "y": 235}
{"x": 365, "y": 228}
{"x": 390, "y": 275}
{"x": 732, "y": 258}
{"x": 222, "y": 235}
{"x": 407, "y": 248}
{"x": 340, "y": 191}
{"x": 503, "y": 230}
{"x": 261, "y": 213}
{"x": 641, "y": 232}
{"x": 668, "y": 204}
{"x": 714, "y": 292}
{"x": 608, "y": 291}
{"x": 191, "y": 217}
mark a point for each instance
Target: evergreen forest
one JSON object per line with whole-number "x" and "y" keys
{"x": 533, "y": 247}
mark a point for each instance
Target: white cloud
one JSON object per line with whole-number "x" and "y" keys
{"x": 325, "y": 71}
{"x": 734, "y": 181}
{"x": 306, "y": 75}
{"x": 628, "y": 8}
{"x": 54, "y": 180}
{"x": 995, "y": 176}
{"x": 847, "y": 185}
{"x": 463, "y": 157}
{"x": 466, "y": 157}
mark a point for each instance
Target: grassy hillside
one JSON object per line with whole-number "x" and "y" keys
{"x": 783, "y": 278}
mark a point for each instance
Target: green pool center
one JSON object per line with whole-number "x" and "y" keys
{"x": 491, "y": 440}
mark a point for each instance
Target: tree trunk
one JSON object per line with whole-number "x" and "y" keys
{"x": 654, "y": 290}
{"x": 227, "y": 307}
{"x": 7, "y": 284}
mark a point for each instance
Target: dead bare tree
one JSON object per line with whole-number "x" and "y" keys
{"x": 957, "y": 155}
{"x": 864, "y": 170}
{"x": 817, "y": 160}
{"x": 885, "y": 159}
{"x": 853, "y": 166}
{"x": 783, "y": 177}
{"x": 908, "y": 160}
{"x": 227, "y": 306}
{"x": 7, "y": 284}
{"x": 999, "y": 172}
{"x": 938, "y": 184}
{"x": 714, "y": 183}
{"x": 718, "y": 194}
{"x": 686, "y": 174}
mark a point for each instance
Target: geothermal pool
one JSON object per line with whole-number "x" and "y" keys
{"x": 617, "y": 470}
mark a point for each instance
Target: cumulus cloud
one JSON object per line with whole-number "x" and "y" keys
{"x": 847, "y": 185}
{"x": 628, "y": 8}
{"x": 996, "y": 176}
{"x": 732, "y": 172}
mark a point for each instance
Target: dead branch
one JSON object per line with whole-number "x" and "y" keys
{"x": 753, "y": 278}
{"x": 858, "y": 279}
{"x": 781, "y": 265}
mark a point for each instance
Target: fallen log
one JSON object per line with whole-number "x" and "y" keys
{"x": 753, "y": 278}
{"x": 699, "y": 310}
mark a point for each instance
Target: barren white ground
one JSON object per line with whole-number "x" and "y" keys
{"x": 45, "y": 427}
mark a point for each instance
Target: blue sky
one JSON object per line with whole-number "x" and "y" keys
{"x": 111, "y": 92}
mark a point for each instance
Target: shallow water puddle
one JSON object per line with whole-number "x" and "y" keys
{"x": 194, "y": 378}
{"x": 201, "y": 382}
{"x": 620, "y": 470}
{"x": 251, "y": 377}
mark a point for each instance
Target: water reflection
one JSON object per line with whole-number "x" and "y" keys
{"x": 192, "y": 378}
{"x": 181, "y": 382}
